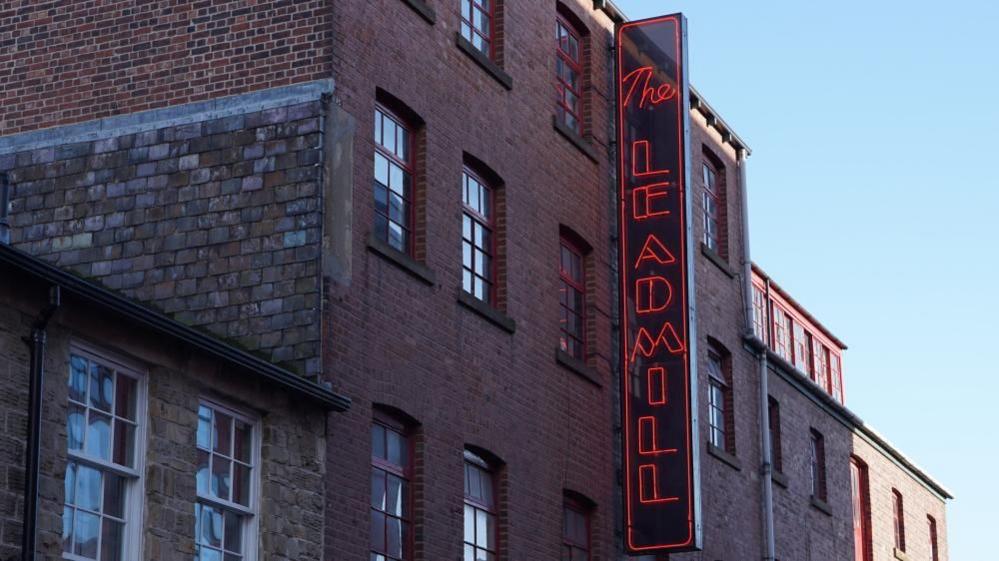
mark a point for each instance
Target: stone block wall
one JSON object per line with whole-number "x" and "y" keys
{"x": 212, "y": 216}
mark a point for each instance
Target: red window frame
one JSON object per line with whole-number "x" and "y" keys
{"x": 572, "y": 343}
{"x": 861, "y": 511}
{"x": 488, "y": 10}
{"x": 801, "y": 347}
{"x": 574, "y": 65}
{"x": 709, "y": 181}
{"x": 820, "y": 365}
{"x": 818, "y": 465}
{"x": 488, "y": 224}
{"x": 383, "y": 467}
{"x": 934, "y": 548}
{"x": 570, "y": 542}
{"x": 836, "y": 375}
{"x": 487, "y": 469}
{"x": 898, "y": 510}
{"x": 782, "y": 333}
{"x": 408, "y": 167}
{"x": 759, "y": 313}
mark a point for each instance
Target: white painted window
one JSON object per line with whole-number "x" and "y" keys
{"x": 226, "y": 524}
{"x": 105, "y": 432}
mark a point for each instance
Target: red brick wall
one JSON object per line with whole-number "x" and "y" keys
{"x": 65, "y": 62}
{"x": 398, "y": 341}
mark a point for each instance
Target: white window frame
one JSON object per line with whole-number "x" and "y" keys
{"x": 251, "y": 513}
{"x": 134, "y": 511}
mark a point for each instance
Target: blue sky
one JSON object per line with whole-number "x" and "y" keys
{"x": 874, "y": 200}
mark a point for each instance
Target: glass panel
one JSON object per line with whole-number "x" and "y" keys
{"x": 397, "y": 238}
{"x": 377, "y": 531}
{"x": 233, "y": 532}
{"x": 204, "y": 427}
{"x": 473, "y": 194}
{"x": 241, "y": 485}
{"x": 388, "y": 134}
{"x": 481, "y": 528}
{"x": 395, "y": 179}
{"x": 243, "y": 442}
{"x": 67, "y": 529}
{"x": 481, "y": 555}
{"x": 85, "y": 531}
{"x": 466, "y": 31}
{"x": 202, "y": 473}
{"x": 466, "y": 7}
{"x": 124, "y": 443}
{"x": 220, "y": 477}
{"x": 466, "y": 281}
{"x": 124, "y": 401}
{"x": 393, "y": 537}
{"x": 69, "y": 484}
{"x": 88, "y": 488}
{"x": 396, "y": 496}
{"x": 378, "y": 126}
{"x": 101, "y": 387}
{"x": 211, "y": 526}
{"x": 466, "y": 255}
{"x": 378, "y": 499}
{"x": 222, "y": 438}
{"x": 111, "y": 541}
{"x": 469, "y": 524}
{"x": 78, "y": 379}
{"x": 396, "y": 444}
{"x": 74, "y": 427}
{"x": 579, "y": 555}
{"x": 381, "y": 169}
{"x": 98, "y": 443}
{"x": 381, "y": 199}
{"x": 397, "y": 209}
{"x": 114, "y": 496}
{"x": 378, "y": 441}
{"x": 210, "y": 554}
{"x": 469, "y": 553}
{"x": 480, "y": 289}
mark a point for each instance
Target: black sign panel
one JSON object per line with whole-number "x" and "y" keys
{"x": 661, "y": 459}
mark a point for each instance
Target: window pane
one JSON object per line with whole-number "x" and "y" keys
{"x": 381, "y": 199}
{"x": 381, "y": 169}
{"x": 469, "y": 553}
{"x": 233, "y": 532}
{"x": 241, "y": 485}
{"x": 201, "y": 475}
{"x": 393, "y": 537}
{"x": 124, "y": 443}
{"x": 78, "y": 379}
{"x": 377, "y": 531}
{"x": 395, "y": 179}
{"x": 111, "y": 541}
{"x": 210, "y": 555}
{"x": 243, "y": 442}
{"x": 395, "y": 501}
{"x": 85, "y": 531}
{"x": 88, "y": 488}
{"x": 222, "y": 439}
{"x": 397, "y": 209}
{"x": 67, "y": 529}
{"x": 114, "y": 496}
{"x": 378, "y": 441}
{"x": 74, "y": 427}
{"x": 220, "y": 477}
{"x": 101, "y": 387}
{"x": 397, "y": 237}
{"x": 378, "y": 489}
{"x": 124, "y": 401}
{"x": 210, "y": 526}
{"x": 69, "y": 484}
{"x": 469, "y": 524}
{"x": 204, "y": 428}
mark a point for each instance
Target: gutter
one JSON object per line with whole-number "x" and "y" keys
{"x": 36, "y": 345}
{"x": 89, "y": 292}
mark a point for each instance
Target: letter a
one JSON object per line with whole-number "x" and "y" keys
{"x": 655, "y": 251}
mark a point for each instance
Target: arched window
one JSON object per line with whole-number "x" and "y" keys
{"x": 479, "y": 231}
{"x": 481, "y": 507}
{"x": 569, "y": 70}
{"x": 391, "y": 486}
{"x": 721, "y": 421}
{"x": 397, "y": 133}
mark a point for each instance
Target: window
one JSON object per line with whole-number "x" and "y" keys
{"x": 575, "y": 531}
{"x": 568, "y": 75}
{"x": 712, "y": 207}
{"x": 820, "y": 365}
{"x": 759, "y": 313}
{"x": 391, "y": 509}
{"x": 225, "y": 512}
{"x": 818, "y": 465}
{"x": 721, "y": 429}
{"x": 934, "y": 548}
{"x": 393, "y": 185}
{"x": 836, "y": 375}
{"x": 480, "y": 509}
{"x": 775, "y": 446}
{"x": 861, "y": 511}
{"x": 477, "y": 24}
{"x": 801, "y": 347}
{"x": 898, "y": 510}
{"x": 782, "y": 333}
{"x": 572, "y": 300}
{"x": 477, "y": 243}
{"x": 104, "y": 432}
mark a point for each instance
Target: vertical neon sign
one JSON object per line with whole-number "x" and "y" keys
{"x": 662, "y": 493}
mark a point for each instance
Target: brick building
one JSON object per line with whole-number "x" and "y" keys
{"x": 385, "y": 200}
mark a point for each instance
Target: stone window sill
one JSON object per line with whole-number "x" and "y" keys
{"x": 421, "y": 7}
{"x": 899, "y": 554}
{"x": 573, "y": 137}
{"x": 401, "y": 260}
{"x": 491, "y": 314}
{"x": 821, "y": 505}
{"x": 483, "y": 61}
{"x": 577, "y": 367}
{"x": 718, "y": 260}
{"x": 779, "y": 478}
{"x": 725, "y": 457}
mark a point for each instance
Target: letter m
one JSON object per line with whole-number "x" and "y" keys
{"x": 667, "y": 338}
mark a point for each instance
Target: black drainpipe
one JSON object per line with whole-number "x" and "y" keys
{"x": 36, "y": 344}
